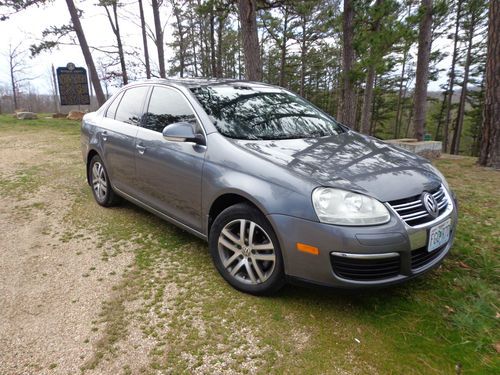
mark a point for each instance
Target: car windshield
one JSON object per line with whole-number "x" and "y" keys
{"x": 262, "y": 112}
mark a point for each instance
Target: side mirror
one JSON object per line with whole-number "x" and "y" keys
{"x": 182, "y": 132}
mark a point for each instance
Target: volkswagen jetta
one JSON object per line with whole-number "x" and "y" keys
{"x": 278, "y": 188}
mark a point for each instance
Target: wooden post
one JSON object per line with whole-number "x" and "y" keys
{"x": 54, "y": 93}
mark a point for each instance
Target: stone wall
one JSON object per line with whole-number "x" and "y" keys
{"x": 427, "y": 149}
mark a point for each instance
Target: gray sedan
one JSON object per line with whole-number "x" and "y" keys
{"x": 279, "y": 189}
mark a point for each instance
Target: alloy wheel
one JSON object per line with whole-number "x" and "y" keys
{"x": 246, "y": 251}
{"x": 99, "y": 181}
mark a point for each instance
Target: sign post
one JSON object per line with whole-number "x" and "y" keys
{"x": 73, "y": 85}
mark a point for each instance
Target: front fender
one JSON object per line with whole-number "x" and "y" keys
{"x": 269, "y": 197}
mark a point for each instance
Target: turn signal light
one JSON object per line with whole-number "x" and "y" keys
{"x": 307, "y": 248}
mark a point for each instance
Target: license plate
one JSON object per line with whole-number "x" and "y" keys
{"x": 439, "y": 235}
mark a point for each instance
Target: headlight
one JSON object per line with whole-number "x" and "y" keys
{"x": 341, "y": 207}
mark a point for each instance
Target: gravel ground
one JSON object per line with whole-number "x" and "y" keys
{"x": 52, "y": 278}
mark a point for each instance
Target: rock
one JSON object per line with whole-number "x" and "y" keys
{"x": 59, "y": 115}
{"x": 75, "y": 115}
{"x": 26, "y": 115}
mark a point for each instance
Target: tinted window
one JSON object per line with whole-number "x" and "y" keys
{"x": 112, "y": 108}
{"x": 166, "y": 107}
{"x": 247, "y": 112}
{"x": 130, "y": 107}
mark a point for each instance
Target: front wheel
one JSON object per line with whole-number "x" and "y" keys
{"x": 245, "y": 250}
{"x": 99, "y": 181}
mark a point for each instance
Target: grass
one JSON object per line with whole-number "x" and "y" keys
{"x": 192, "y": 320}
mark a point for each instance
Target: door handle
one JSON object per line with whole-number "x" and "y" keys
{"x": 140, "y": 148}
{"x": 104, "y": 135}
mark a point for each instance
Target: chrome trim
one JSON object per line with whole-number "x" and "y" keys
{"x": 416, "y": 205}
{"x": 417, "y": 202}
{"x": 365, "y": 256}
{"x": 438, "y": 193}
{"x": 418, "y": 238}
{"x": 443, "y": 203}
{"x": 443, "y": 216}
{"x": 414, "y": 215}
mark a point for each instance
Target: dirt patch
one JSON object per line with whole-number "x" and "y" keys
{"x": 51, "y": 285}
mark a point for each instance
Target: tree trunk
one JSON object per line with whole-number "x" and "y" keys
{"x": 239, "y": 49}
{"x": 374, "y": 110}
{"x": 251, "y": 53}
{"x": 212, "y": 44}
{"x": 366, "y": 111}
{"x": 207, "y": 60}
{"x": 86, "y": 52}
{"x": 422, "y": 75}
{"x": 13, "y": 81}
{"x": 303, "y": 53}
{"x": 451, "y": 83}
{"x": 220, "y": 28}
{"x": 144, "y": 40}
{"x": 490, "y": 142}
{"x": 457, "y": 134}
{"x": 195, "y": 55}
{"x": 54, "y": 90}
{"x": 120, "y": 45}
{"x": 283, "y": 49}
{"x": 348, "y": 112}
{"x": 159, "y": 37}
{"x": 397, "y": 125}
{"x": 113, "y": 21}
{"x": 440, "y": 118}
{"x": 182, "y": 48}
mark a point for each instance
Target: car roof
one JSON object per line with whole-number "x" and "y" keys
{"x": 199, "y": 82}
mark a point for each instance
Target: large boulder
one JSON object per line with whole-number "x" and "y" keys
{"x": 26, "y": 115}
{"x": 75, "y": 115}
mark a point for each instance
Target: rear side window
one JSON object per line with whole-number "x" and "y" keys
{"x": 166, "y": 107}
{"x": 130, "y": 107}
{"x": 111, "y": 112}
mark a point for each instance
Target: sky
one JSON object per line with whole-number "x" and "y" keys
{"x": 26, "y": 27}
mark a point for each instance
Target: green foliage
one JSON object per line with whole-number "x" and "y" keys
{"x": 301, "y": 49}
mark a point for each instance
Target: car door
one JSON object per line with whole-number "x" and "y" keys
{"x": 118, "y": 134}
{"x": 169, "y": 173}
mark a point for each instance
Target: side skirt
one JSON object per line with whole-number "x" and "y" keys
{"x": 161, "y": 214}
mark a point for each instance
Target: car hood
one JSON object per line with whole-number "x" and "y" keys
{"x": 350, "y": 161}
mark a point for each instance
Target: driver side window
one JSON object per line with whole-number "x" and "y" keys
{"x": 166, "y": 107}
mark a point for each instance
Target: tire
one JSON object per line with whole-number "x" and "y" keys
{"x": 100, "y": 183}
{"x": 253, "y": 265}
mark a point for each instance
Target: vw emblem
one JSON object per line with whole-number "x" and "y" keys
{"x": 430, "y": 204}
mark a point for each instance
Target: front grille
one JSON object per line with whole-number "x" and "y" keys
{"x": 421, "y": 257}
{"x": 365, "y": 269}
{"x": 412, "y": 210}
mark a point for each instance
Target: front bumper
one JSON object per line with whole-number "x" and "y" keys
{"x": 397, "y": 250}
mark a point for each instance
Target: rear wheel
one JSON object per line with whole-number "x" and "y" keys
{"x": 245, "y": 250}
{"x": 99, "y": 181}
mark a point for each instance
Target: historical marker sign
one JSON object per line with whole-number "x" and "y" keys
{"x": 73, "y": 85}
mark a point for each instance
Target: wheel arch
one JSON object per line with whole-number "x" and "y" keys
{"x": 226, "y": 200}
{"x": 90, "y": 155}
